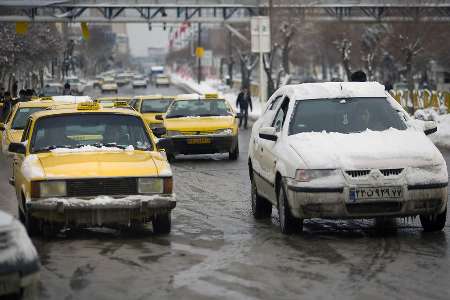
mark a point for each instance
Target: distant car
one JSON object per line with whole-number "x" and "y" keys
{"x": 12, "y": 129}
{"x": 344, "y": 150}
{"x": 76, "y": 86}
{"x": 139, "y": 82}
{"x": 97, "y": 82}
{"x": 122, "y": 79}
{"x": 19, "y": 262}
{"x": 201, "y": 124}
{"x": 150, "y": 106}
{"x": 109, "y": 85}
{"x": 51, "y": 89}
{"x": 89, "y": 166}
{"x": 162, "y": 80}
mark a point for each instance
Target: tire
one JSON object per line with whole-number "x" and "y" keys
{"x": 234, "y": 154}
{"x": 431, "y": 223}
{"x": 261, "y": 208}
{"x": 288, "y": 223}
{"x": 32, "y": 225}
{"x": 162, "y": 223}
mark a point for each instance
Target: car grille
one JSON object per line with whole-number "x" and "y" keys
{"x": 374, "y": 207}
{"x": 391, "y": 172}
{"x": 358, "y": 173}
{"x": 385, "y": 172}
{"x": 97, "y": 187}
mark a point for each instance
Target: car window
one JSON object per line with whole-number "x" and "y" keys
{"x": 344, "y": 115}
{"x": 274, "y": 102}
{"x": 73, "y": 131}
{"x": 155, "y": 106}
{"x": 21, "y": 116}
{"x": 280, "y": 116}
{"x": 199, "y": 108}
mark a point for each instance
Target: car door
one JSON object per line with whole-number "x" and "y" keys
{"x": 267, "y": 154}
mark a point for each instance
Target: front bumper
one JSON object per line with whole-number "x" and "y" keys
{"x": 217, "y": 144}
{"x": 101, "y": 211}
{"x": 332, "y": 203}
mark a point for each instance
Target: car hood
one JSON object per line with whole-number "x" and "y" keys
{"x": 199, "y": 123}
{"x": 99, "y": 164}
{"x": 15, "y": 135}
{"x": 370, "y": 149}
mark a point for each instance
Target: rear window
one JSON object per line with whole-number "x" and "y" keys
{"x": 344, "y": 116}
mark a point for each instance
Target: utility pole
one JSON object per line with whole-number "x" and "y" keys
{"x": 199, "y": 44}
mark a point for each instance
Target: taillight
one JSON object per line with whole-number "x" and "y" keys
{"x": 168, "y": 185}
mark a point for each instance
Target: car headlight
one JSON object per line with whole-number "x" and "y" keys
{"x": 227, "y": 131}
{"x": 152, "y": 185}
{"x": 173, "y": 133}
{"x": 46, "y": 189}
{"x": 305, "y": 175}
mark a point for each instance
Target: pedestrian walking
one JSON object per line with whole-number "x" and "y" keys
{"x": 243, "y": 102}
{"x": 67, "y": 89}
{"x": 7, "y": 106}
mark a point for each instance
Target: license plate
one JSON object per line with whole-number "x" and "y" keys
{"x": 9, "y": 284}
{"x": 199, "y": 141}
{"x": 376, "y": 193}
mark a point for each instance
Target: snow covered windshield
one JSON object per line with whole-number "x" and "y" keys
{"x": 155, "y": 106}
{"x": 198, "y": 108}
{"x": 344, "y": 115}
{"x": 93, "y": 129}
{"x": 21, "y": 117}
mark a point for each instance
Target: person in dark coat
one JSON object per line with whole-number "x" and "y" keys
{"x": 243, "y": 101}
{"x": 7, "y": 106}
{"x": 358, "y": 76}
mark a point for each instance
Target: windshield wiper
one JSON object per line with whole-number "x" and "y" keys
{"x": 175, "y": 116}
{"x": 53, "y": 147}
{"x": 108, "y": 145}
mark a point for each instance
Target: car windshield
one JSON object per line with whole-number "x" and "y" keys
{"x": 21, "y": 117}
{"x": 198, "y": 108}
{"x": 95, "y": 129}
{"x": 344, "y": 115}
{"x": 155, "y": 106}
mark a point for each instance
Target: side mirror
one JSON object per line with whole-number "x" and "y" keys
{"x": 165, "y": 144}
{"x": 2, "y": 126}
{"x": 268, "y": 133}
{"x": 159, "y": 131}
{"x": 429, "y": 127}
{"x": 159, "y": 117}
{"x": 18, "y": 148}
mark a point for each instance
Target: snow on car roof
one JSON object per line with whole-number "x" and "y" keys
{"x": 331, "y": 90}
{"x": 72, "y": 99}
{"x": 5, "y": 219}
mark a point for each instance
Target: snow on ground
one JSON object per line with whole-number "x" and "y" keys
{"x": 216, "y": 86}
{"x": 442, "y": 137}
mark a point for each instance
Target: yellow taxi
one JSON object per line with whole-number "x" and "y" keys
{"x": 91, "y": 166}
{"x": 109, "y": 101}
{"x": 150, "y": 106}
{"x": 14, "y": 124}
{"x": 201, "y": 124}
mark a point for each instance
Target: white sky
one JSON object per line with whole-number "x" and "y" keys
{"x": 140, "y": 38}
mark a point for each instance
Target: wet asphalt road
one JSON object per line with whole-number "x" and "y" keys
{"x": 217, "y": 250}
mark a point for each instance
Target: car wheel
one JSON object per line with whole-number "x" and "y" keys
{"x": 32, "y": 225}
{"x": 162, "y": 223}
{"x": 261, "y": 208}
{"x": 288, "y": 223}
{"x": 432, "y": 223}
{"x": 234, "y": 154}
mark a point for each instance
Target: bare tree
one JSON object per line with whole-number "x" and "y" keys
{"x": 248, "y": 63}
{"x": 344, "y": 46}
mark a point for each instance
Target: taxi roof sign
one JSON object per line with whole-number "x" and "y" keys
{"x": 88, "y": 106}
{"x": 120, "y": 103}
{"x": 211, "y": 96}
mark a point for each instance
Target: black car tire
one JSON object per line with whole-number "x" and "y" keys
{"x": 234, "y": 154}
{"x": 261, "y": 208}
{"x": 32, "y": 225}
{"x": 162, "y": 223}
{"x": 431, "y": 223}
{"x": 288, "y": 223}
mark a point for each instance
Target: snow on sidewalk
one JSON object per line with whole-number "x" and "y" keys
{"x": 216, "y": 86}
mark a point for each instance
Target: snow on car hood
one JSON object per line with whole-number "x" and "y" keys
{"x": 369, "y": 149}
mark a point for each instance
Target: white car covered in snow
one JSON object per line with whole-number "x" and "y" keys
{"x": 19, "y": 263}
{"x": 139, "y": 81}
{"x": 344, "y": 150}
